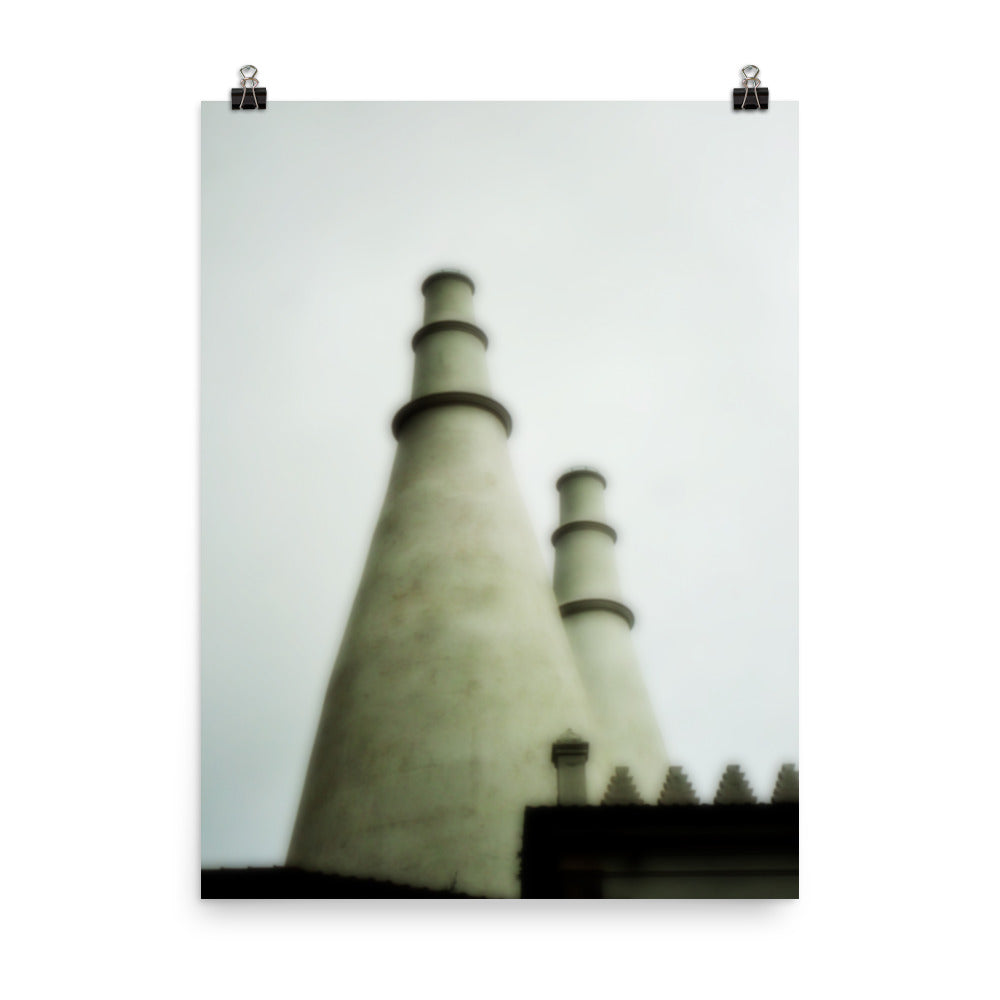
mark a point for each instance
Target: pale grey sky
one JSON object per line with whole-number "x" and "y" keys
{"x": 636, "y": 271}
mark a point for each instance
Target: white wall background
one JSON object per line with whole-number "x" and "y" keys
{"x": 899, "y": 543}
{"x": 636, "y": 268}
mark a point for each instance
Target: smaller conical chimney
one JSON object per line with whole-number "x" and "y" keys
{"x": 598, "y": 624}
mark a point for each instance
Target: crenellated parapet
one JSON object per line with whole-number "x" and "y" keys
{"x": 786, "y": 788}
{"x": 571, "y": 752}
{"x": 621, "y": 790}
{"x": 733, "y": 788}
{"x": 677, "y": 790}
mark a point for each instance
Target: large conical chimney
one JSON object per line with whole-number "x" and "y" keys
{"x": 598, "y": 625}
{"x": 454, "y": 675}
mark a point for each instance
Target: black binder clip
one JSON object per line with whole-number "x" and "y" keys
{"x": 257, "y": 99}
{"x": 742, "y": 99}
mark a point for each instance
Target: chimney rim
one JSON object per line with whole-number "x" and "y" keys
{"x": 447, "y": 272}
{"x": 580, "y": 470}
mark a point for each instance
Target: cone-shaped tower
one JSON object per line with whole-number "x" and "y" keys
{"x": 454, "y": 674}
{"x": 598, "y": 625}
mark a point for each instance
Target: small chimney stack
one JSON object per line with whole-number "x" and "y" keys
{"x": 569, "y": 754}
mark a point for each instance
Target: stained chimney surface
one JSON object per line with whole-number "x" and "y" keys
{"x": 454, "y": 673}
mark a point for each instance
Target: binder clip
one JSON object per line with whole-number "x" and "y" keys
{"x": 257, "y": 98}
{"x": 742, "y": 99}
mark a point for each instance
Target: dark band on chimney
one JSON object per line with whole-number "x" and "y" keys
{"x": 450, "y": 324}
{"x": 435, "y": 399}
{"x": 597, "y": 604}
{"x": 581, "y": 526}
